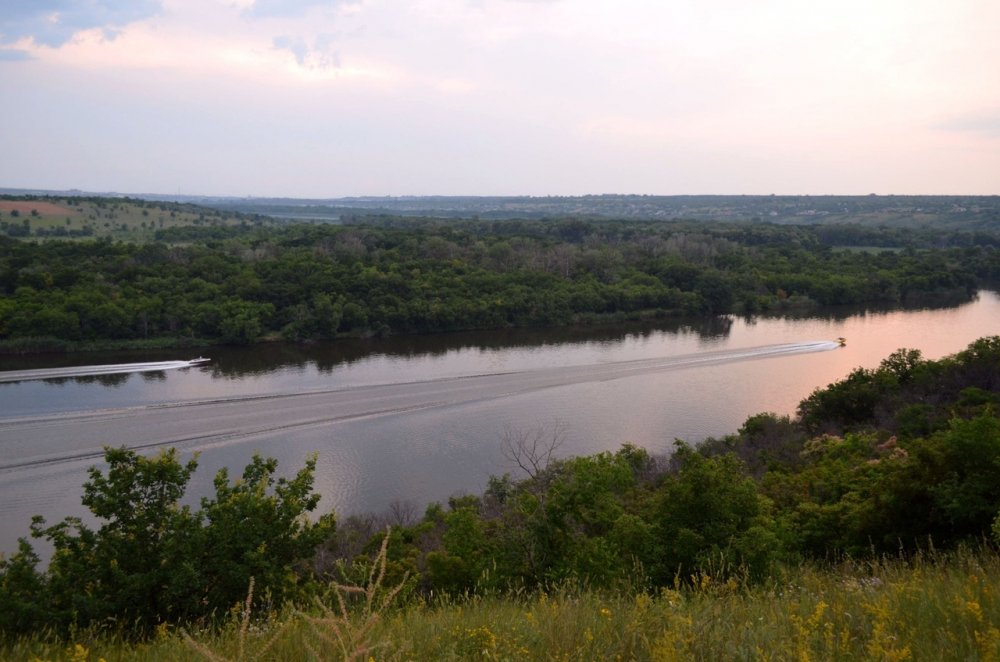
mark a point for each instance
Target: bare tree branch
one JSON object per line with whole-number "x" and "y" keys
{"x": 402, "y": 512}
{"x": 532, "y": 449}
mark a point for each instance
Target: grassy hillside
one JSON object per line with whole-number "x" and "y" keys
{"x": 932, "y": 607}
{"x": 117, "y": 218}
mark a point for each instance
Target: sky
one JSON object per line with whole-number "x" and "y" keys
{"x": 330, "y": 98}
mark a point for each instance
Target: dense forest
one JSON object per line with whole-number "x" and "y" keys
{"x": 901, "y": 459}
{"x": 241, "y": 283}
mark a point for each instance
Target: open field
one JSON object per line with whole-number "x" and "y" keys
{"x": 40, "y": 208}
{"x": 117, "y": 218}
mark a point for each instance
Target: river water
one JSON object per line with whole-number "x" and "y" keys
{"x": 421, "y": 418}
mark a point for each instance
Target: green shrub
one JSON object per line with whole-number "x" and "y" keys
{"x": 152, "y": 560}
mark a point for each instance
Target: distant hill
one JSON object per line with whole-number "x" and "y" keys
{"x": 81, "y": 215}
{"x": 953, "y": 212}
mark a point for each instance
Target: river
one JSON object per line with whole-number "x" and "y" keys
{"x": 421, "y": 418}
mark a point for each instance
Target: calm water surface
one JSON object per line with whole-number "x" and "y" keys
{"x": 420, "y": 418}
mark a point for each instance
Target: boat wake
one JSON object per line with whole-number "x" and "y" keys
{"x": 619, "y": 369}
{"x": 58, "y": 437}
{"x": 95, "y": 370}
{"x": 760, "y": 352}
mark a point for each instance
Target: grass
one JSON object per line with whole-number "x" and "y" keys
{"x": 888, "y": 610}
{"x": 933, "y": 607}
{"x": 116, "y": 218}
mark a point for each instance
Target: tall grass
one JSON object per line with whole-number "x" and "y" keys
{"x": 932, "y": 607}
{"x": 922, "y": 609}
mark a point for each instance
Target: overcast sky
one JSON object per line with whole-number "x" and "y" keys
{"x": 322, "y": 98}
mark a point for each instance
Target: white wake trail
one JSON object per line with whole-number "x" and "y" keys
{"x": 93, "y": 370}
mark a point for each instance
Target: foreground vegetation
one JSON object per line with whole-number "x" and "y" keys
{"x": 942, "y": 606}
{"x": 861, "y": 529}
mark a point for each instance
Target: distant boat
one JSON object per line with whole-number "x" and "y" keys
{"x": 198, "y": 361}
{"x": 842, "y": 341}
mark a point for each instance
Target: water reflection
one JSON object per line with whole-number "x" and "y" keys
{"x": 239, "y": 363}
{"x": 941, "y": 301}
{"x": 111, "y": 381}
{"x": 326, "y": 358}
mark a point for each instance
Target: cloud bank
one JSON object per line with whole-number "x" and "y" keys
{"x": 54, "y": 22}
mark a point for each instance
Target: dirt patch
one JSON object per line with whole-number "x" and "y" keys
{"x": 43, "y": 208}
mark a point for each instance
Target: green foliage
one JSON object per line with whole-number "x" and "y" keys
{"x": 968, "y": 493}
{"x": 578, "y": 512}
{"x": 463, "y": 558}
{"x": 305, "y": 282}
{"x": 153, "y": 560}
{"x": 848, "y": 403}
{"x": 763, "y": 442}
{"x": 141, "y": 555}
{"x": 570, "y": 521}
{"x": 710, "y": 516}
{"x": 241, "y": 322}
{"x": 857, "y": 493}
{"x": 907, "y": 394}
{"x": 255, "y": 527}
{"x": 20, "y": 589}
{"x": 832, "y": 502}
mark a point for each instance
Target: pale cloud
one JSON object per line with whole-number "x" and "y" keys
{"x": 54, "y": 22}
{"x": 191, "y": 39}
{"x": 295, "y": 45}
{"x": 316, "y": 55}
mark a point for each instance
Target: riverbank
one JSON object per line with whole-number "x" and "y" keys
{"x": 50, "y": 345}
{"x": 796, "y": 306}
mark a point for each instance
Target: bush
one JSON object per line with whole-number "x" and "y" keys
{"x": 711, "y": 518}
{"x": 154, "y": 561}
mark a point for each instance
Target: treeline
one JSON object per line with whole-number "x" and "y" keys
{"x": 302, "y": 282}
{"x": 958, "y": 212}
{"x": 24, "y": 229}
{"x": 894, "y": 460}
